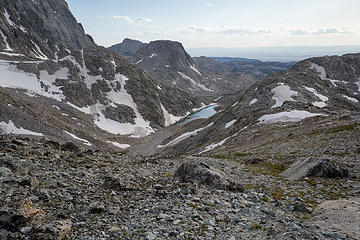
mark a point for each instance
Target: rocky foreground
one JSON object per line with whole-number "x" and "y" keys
{"x": 59, "y": 191}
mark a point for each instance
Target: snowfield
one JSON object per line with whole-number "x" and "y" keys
{"x": 193, "y": 82}
{"x": 282, "y": 93}
{"x": 292, "y": 116}
{"x": 10, "y": 128}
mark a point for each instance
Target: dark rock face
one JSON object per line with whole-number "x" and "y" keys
{"x": 41, "y": 29}
{"x": 128, "y": 47}
{"x": 207, "y": 175}
{"x": 315, "y": 167}
{"x": 121, "y": 113}
{"x": 70, "y": 146}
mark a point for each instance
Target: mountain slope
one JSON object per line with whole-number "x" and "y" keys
{"x": 128, "y": 47}
{"x": 90, "y": 94}
{"x": 168, "y": 62}
{"x": 311, "y": 95}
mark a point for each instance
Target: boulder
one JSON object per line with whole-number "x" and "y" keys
{"x": 118, "y": 184}
{"x": 314, "y": 167}
{"x": 341, "y": 216}
{"x": 71, "y": 147}
{"x": 204, "y": 174}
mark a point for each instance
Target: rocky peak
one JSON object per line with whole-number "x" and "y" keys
{"x": 128, "y": 47}
{"x": 36, "y": 29}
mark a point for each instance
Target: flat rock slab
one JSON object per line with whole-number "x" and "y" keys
{"x": 315, "y": 167}
{"x": 339, "y": 215}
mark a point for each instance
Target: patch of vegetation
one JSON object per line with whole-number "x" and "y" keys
{"x": 255, "y": 226}
{"x": 349, "y": 127}
{"x": 337, "y": 154}
{"x": 241, "y": 154}
{"x": 277, "y": 193}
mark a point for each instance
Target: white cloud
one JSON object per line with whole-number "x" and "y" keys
{"x": 320, "y": 31}
{"x": 124, "y": 19}
{"x": 209, "y": 4}
{"x": 225, "y": 30}
{"x": 144, "y": 20}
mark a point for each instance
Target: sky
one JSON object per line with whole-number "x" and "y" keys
{"x": 222, "y": 23}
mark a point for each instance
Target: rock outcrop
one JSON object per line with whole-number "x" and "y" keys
{"x": 128, "y": 47}
{"x": 314, "y": 167}
{"x": 204, "y": 174}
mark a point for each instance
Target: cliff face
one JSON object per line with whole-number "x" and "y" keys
{"x": 40, "y": 29}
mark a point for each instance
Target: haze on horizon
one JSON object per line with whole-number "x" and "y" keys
{"x": 223, "y": 24}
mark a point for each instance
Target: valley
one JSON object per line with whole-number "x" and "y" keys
{"x": 143, "y": 141}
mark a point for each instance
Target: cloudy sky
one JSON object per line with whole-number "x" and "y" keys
{"x": 222, "y": 23}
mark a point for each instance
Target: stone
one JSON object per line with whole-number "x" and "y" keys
{"x": 314, "y": 167}
{"x": 206, "y": 175}
{"x": 5, "y": 171}
{"x": 118, "y": 184}
{"x": 70, "y": 147}
{"x": 342, "y": 216}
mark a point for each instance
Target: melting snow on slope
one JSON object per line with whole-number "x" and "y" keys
{"x": 253, "y": 102}
{"x": 119, "y": 145}
{"x": 358, "y": 84}
{"x": 215, "y": 145}
{"x": 292, "y": 116}
{"x": 86, "y": 142}
{"x": 139, "y": 61}
{"x": 10, "y": 128}
{"x": 7, "y": 46}
{"x": 169, "y": 118}
{"x": 12, "y": 77}
{"x": 7, "y": 17}
{"x": 235, "y": 104}
{"x": 195, "y": 70}
{"x": 153, "y": 55}
{"x": 322, "y": 74}
{"x": 321, "y": 97}
{"x": 351, "y": 99}
{"x": 193, "y": 82}
{"x": 229, "y": 124}
{"x": 282, "y": 93}
{"x": 184, "y": 136}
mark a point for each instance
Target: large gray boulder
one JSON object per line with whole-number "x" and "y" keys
{"x": 341, "y": 215}
{"x": 204, "y": 174}
{"x": 315, "y": 167}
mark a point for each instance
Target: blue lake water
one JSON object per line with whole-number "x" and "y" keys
{"x": 201, "y": 114}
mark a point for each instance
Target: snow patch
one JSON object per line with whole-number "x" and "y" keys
{"x": 193, "y": 82}
{"x": 86, "y": 142}
{"x": 322, "y": 74}
{"x": 358, "y": 84}
{"x": 119, "y": 145}
{"x": 139, "y": 61}
{"x": 321, "y": 97}
{"x": 235, "y": 104}
{"x": 229, "y": 124}
{"x": 153, "y": 55}
{"x": 282, "y": 93}
{"x": 15, "y": 78}
{"x": 351, "y": 99}
{"x": 215, "y": 145}
{"x": 38, "y": 53}
{"x": 169, "y": 118}
{"x": 292, "y": 116}
{"x": 184, "y": 136}
{"x": 7, "y": 46}
{"x": 10, "y": 128}
{"x": 13, "y": 54}
{"x": 195, "y": 70}
{"x": 7, "y": 17}
{"x": 253, "y": 102}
